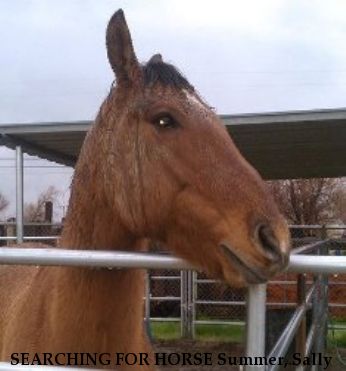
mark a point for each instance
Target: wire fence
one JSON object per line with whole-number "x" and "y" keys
{"x": 214, "y": 302}
{"x": 38, "y": 232}
{"x": 217, "y": 303}
{"x": 192, "y": 300}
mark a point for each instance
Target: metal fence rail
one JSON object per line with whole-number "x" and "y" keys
{"x": 89, "y": 258}
{"x": 30, "y": 238}
{"x": 115, "y": 259}
{"x": 122, "y": 259}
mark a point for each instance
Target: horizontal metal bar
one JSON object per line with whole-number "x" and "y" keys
{"x": 305, "y": 226}
{"x": 292, "y": 226}
{"x": 309, "y": 247}
{"x": 274, "y": 282}
{"x": 206, "y": 280}
{"x": 29, "y": 238}
{"x": 219, "y": 302}
{"x": 120, "y": 259}
{"x": 337, "y": 327}
{"x": 317, "y": 264}
{"x": 316, "y": 226}
{"x": 89, "y": 258}
{"x": 164, "y": 319}
{"x": 281, "y": 304}
{"x": 283, "y": 282}
{"x": 218, "y": 322}
{"x": 330, "y": 283}
{"x": 329, "y": 227}
{"x": 164, "y": 298}
{"x": 337, "y": 305}
{"x": 305, "y": 239}
{"x": 41, "y": 224}
{"x": 165, "y": 278}
{"x": 269, "y": 304}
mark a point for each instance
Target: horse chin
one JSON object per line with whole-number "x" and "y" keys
{"x": 239, "y": 273}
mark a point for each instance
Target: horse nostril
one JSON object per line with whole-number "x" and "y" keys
{"x": 269, "y": 243}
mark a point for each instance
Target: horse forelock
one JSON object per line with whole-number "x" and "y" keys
{"x": 164, "y": 74}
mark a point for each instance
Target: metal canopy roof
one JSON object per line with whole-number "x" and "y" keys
{"x": 282, "y": 145}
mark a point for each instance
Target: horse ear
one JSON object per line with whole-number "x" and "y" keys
{"x": 121, "y": 55}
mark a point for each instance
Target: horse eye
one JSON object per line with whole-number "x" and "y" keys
{"x": 165, "y": 121}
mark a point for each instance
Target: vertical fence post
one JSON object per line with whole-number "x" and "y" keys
{"x": 255, "y": 324}
{"x": 147, "y": 305}
{"x": 19, "y": 194}
{"x": 324, "y": 322}
{"x": 183, "y": 304}
{"x": 301, "y": 332}
{"x": 194, "y": 298}
{"x": 325, "y": 281}
{"x": 320, "y": 308}
{"x": 190, "y": 306}
{"x": 187, "y": 307}
{"x": 325, "y": 286}
{"x": 316, "y": 312}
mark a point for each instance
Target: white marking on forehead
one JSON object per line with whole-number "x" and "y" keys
{"x": 195, "y": 100}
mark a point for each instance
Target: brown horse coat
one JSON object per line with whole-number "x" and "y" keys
{"x": 158, "y": 164}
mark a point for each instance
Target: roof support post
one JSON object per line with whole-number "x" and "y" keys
{"x": 19, "y": 194}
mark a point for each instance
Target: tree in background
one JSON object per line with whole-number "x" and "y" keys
{"x": 35, "y": 211}
{"x": 339, "y": 201}
{"x": 311, "y": 201}
{"x": 3, "y": 202}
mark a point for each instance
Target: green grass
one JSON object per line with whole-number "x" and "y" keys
{"x": 220, "y": 333}
{"x": 228, "y": 333}
{"x": 337, "y": 337}
{"x": 165, "y": 330}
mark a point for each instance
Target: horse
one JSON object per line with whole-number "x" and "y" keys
{"x": 157, "y": 165}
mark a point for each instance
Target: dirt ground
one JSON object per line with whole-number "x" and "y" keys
{"x": 181, "y": 346}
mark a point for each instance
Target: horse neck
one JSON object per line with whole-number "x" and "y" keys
{"x": 90, "y": 224}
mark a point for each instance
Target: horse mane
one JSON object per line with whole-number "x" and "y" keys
{"x": 165, "y": 74}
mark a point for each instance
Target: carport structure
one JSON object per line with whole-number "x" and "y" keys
{"x": 282, "y": 145}
{"x": 300, "y": 144}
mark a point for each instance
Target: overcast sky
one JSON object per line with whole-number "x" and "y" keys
{"x": 242, "y": 56}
